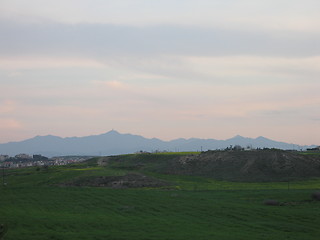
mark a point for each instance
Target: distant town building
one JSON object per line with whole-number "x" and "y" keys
{"x": 23, "y": 156}
{"x": 4, "y": 157}
{"x": 25, "y": 160}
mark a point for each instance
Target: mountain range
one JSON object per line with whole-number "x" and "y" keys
{"x": 114, "y": 143}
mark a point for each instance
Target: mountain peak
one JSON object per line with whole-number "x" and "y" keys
{"x": 113, "y": 132}
{"x": 261, "y": 138}
{"x": 237, "y": 137}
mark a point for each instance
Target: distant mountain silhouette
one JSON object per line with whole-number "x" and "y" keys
{"x": 113, "y": 143}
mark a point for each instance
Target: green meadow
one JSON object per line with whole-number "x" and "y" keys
{"x": 34, "y": 205}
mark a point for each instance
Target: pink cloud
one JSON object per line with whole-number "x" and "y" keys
{"x": 7, "y": 106}
{"x": 9, "y": 123}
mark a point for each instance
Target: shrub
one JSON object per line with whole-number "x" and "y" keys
{"x": 316, "y": 196}
{"x": 271, "y": 202}
{"x": 3, "y": 230}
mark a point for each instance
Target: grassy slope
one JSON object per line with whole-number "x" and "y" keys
{"x": 248, "y": 166}
{"x": 36, "y": 209}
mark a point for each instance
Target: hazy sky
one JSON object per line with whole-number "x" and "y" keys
{"x": 160, "y": 68}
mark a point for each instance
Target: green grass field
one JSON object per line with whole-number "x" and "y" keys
{"x": 33, "y": 206}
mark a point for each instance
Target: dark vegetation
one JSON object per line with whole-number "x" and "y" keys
{"x": 164, "y": 196}
{"x": 130, "y": 180}
{"x": 316, "y": 196}
{"x": 3, "y": 230}
{"x": 271, "y": 202}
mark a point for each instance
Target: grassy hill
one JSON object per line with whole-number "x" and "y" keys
{"x": 250, "y": 166}
{"x": 67, "y": 202}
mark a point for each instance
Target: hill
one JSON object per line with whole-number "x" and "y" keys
{"x": 250, "y": 166}
{"x": 114, "y": 143}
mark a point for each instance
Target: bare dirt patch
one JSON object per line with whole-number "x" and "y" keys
{"x": 131, "y": 180}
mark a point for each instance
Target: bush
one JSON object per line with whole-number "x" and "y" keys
{"x": 3, "y": 230}
{"x": 271, "y": 202}
{"x": 316, "y": 196}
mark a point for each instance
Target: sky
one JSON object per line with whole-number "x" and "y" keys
{"x": 160, "y": 68}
